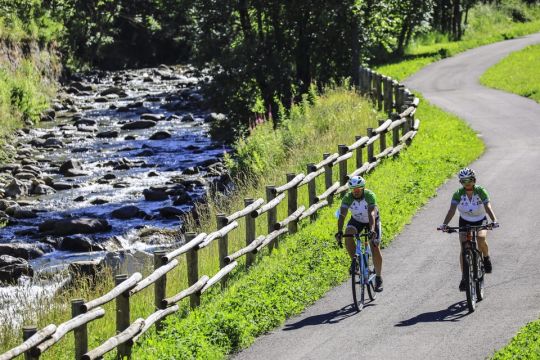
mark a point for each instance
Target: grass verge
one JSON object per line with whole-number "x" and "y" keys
{"x": 525, "y": 345}
{"x": 525, "y": 81}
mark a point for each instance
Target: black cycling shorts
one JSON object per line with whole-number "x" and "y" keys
{"x": 360, "y": 226}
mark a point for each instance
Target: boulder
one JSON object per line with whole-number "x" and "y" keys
{"x": 153, "y": 117}
{"x": 128, "y": 212}
{"x": 90, "y": 269}
{"x": 87, "y": 122}
{"x": 139, "y": 124}
{"x": 170, "y": 212}
{"x": 214, "y": 117}
{"x": 155, "y": 195}
{"x": 65, "y": 227}
{"x": 114, "y": 90}
{"x": 15, "y": 189}
{"x": 188, "y": 118}
{"x": 19, "y": 213}
{"x": 70, "y": 165}
{"x": 79, "y": 243}
{"x": 21, "y": 250}
{"x": 41, "y": 189}
{"x": 107, "y": 134}
{"x": 12, "y": 268}
{"x": 160, "y": 135}
{"x": 61, "y": 186}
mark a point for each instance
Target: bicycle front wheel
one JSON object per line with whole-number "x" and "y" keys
{"x": 357, "y": 282}
{"x": 468, "y": 275}
{"x": 371, "y": 283}
{"x": 479, "y": 275}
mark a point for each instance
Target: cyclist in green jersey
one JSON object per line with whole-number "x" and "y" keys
{"x": 362, "y": 204}
{"x": 472, "y": 202}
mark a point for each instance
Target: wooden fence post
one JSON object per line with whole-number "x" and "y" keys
{"x": 271, "y": 215}
{"x": 123, "y": 318}
{"x": 388, "y": 98}
{"x": 359, "y": 156}
{"x": 292, "y": 204}
{"x": 250, "y": 233}
{"x": 363, "y": 76}
{"x": 192, "y": 261}
{"x": 342, "y": 150}
{"x": 312, "y": 189}
{"x": 223, "y": 244}
{"x": 160, "y": 286}
{"x": 28, "y": 331}
{"x": 395, "y": 90}
{"x": 395, "y": 136}
{"x": 370, "y": 146}
{"x": 401, "y": 98}
{"x": 378, "y": 91}
{"x": 328, "y": 178}
{"x": 382, "y": 138}
{"x": 80, "y": 334}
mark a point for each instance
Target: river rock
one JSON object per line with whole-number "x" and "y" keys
{"x": 182, "y": 199}
{"x": 69, "y": 166}
{"x": 188, "y": 118}
{"x": 170, "y": 212}
{"x": 4, "y": 204}
{"x": 19, "y": 213}
{"x": 191, "y": 170}
{"x": 12, "y": 268}
{"x": 160, "y": 135}
{"x": 108, "y": 134}
{"x": 42, "y": 189}
{"x": 128, "y": 212}
{"x": 16, "y": 189}
{"x": 79, "y": 243}
{"x": 47, "y": 115}
{"x": 153, "y": 194}
{"x": 61, "y": 186}
{"x": 25, "y": 251}
{"x": 214, "y": 117}
{"x": 139, "y": 124}
{"x": 144, "y": 153}
{"x": 90, "y": 269}
{"x": 25, "y": 176}
{"x": 114, "y": 90}
{"x": 87, "y": 122}
{"x": 65, "y": 227}
{"x": 99, "y": 201}
{"x": 153, "y": 117}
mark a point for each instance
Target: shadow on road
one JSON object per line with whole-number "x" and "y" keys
{"x": 328, "y": 318}
{"x": 453, "y": 313}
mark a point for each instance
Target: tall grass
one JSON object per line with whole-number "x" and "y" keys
{"x": 488, "y": 23}
{"x": 517, "y": 73}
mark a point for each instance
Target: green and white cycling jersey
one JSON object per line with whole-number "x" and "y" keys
{"x": 359, "y": 207}
{"x": 471, "y": 209}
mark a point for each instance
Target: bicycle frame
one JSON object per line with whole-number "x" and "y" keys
{"x": 363, "y": 253}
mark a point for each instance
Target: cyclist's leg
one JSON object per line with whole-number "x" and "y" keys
{"x": 376, "y": 250}
{"x": 350, "y": 243}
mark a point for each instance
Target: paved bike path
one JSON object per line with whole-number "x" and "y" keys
{"x": 421, "y": 314}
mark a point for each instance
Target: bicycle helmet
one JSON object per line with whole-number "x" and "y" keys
{"x": 466, "y": 173}
{"x": 356, "y": 182}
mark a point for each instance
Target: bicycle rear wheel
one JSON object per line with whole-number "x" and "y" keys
{"x": 357, "y": 282}
{"x": 468, "y": 275}
{"x": 479, "y": 275}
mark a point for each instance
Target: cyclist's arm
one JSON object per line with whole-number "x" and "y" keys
{"x": 490, "y": 212}
{"x": 341, "y": 220}
{"x": 372, "y": 216}
{"x": 450, "y": 214}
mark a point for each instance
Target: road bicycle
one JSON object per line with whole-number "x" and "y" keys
{"x": 362, "y": 271}
{"x": 473, "y": 264}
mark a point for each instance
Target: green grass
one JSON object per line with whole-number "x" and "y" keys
{"x": 488, "y": 24}
{"x": 525, "y": 345}
{"x": 518, "y": 73}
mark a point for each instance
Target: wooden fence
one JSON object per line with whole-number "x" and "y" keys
{"x": 387, "y": 95}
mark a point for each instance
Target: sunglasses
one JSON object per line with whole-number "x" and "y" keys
{"x": 357, "y": 190}
{"x": 466, "y": 181}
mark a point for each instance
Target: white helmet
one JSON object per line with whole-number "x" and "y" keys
{"x": 356, "y": 182}
{"x": 466, "y": 173}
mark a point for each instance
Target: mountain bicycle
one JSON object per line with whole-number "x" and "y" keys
{"x": 362, "y": 271}
{"x": 473, "y": 264}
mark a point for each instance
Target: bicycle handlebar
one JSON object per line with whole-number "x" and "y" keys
{"x": 453, "y": 229}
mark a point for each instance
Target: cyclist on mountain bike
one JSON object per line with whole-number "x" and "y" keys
{"x": 364, "y": 215}
{"x": 472, "y": 202}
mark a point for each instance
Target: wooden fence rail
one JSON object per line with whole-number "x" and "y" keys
{"x": 387, "y": 95}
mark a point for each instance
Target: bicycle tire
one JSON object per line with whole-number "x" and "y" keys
{"x": 479, "y": 275}
{"x": 371, "y": 286}
{"x": 468, "y": 275}
{"x": 357, "y": 283}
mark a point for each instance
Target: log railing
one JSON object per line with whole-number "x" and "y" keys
{"x": 386, "y": 94}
